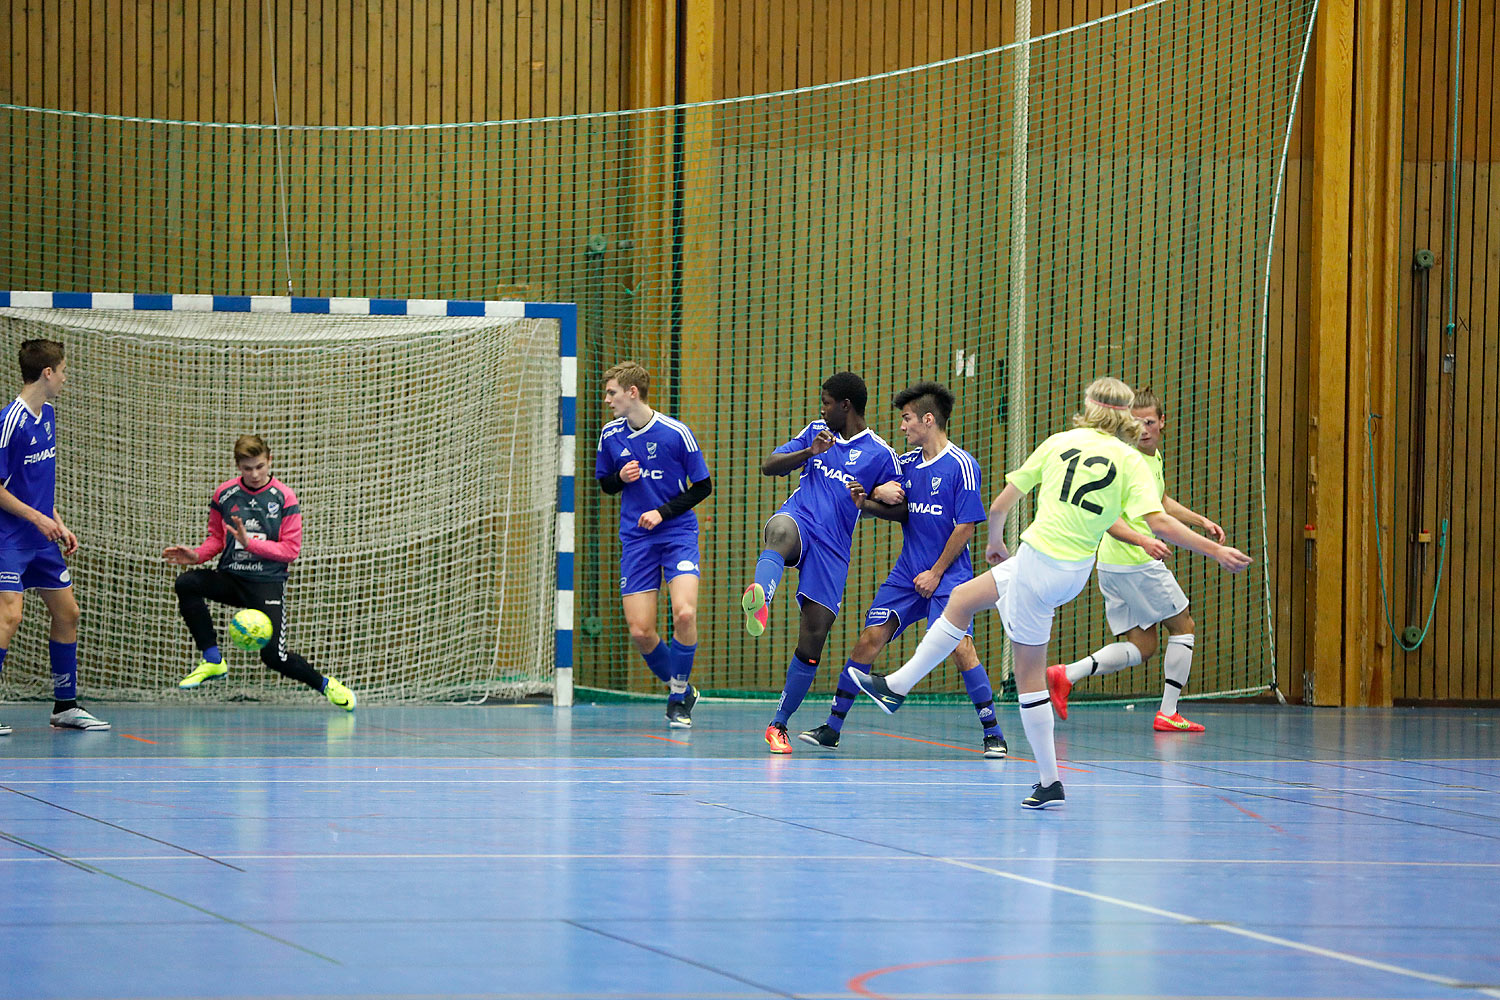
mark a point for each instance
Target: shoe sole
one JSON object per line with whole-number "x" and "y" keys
{"x": 994, "y": 755}
{"x": 874, "y": 697}
{"x": 1052, "y": 804}
{"x": 1174, "y": 729}
{"x": 811, "y": 741}
{"x": 751, "y": 601}
{"x": 83, "y": 729}
{"x": 679, "y": 723}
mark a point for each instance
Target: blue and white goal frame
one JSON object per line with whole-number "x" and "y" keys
{"x": 565, "y": 314}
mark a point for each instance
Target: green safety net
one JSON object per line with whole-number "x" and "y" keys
{"x": 1013, "y": 223}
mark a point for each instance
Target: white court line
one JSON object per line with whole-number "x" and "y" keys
{"x": 1177, "y": 785}
{"x": 1228, "y": 928}
{"x": 670, "y": 858}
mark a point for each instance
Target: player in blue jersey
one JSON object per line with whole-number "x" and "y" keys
{"x": 842, "y": 463}
{"x": 31, "y": 528}
{"x": 654, "y": 463}
{"x": 940, "y": 483}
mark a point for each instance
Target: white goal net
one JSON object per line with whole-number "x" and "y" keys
{"x": 424, "y": 453}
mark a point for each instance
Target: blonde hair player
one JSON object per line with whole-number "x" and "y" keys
{"x": 1140, "y": 593}
{"x": 655, "y": 464}
{"x": 1089, "y": 476}
{"x": 255, "y": 520}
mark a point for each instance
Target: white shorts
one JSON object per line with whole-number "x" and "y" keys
{"x": 1031, "y": 587}
{"x": 1139, "y": 596}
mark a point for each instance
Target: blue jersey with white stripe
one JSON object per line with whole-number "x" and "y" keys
{"x": 670, "y": 461}
{"x": 28, "y": 470}
{"x": 821, "y": 502}
{"x": 941, "y": 493}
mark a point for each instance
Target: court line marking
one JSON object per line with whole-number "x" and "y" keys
{"x": 582, "y": 856}
{"x": 1229, "y": 928}
{"x": 93, "y": 869}
{"x": 1221, "y": 925}
{"x": 138, "y": 739}
{"x": 678, "y": 957}
{"x": 122, "y": 829}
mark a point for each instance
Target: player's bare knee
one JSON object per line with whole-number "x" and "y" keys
{"x": 781, "y": 536}
{"x": 1145, "y": 641}
{"x": 1183, "y": 624}
{"x": 643, "y": 635}
{"x": 684, "y": 618}
{"x": 966, "y": 657}
{"x": 10, "y": 619}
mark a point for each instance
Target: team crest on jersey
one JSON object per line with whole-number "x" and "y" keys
{"x": 48, "y": 425}
{"x": 853, "y": 457}
{"x": 272, "y": 508}
{"x": 935, "y": 481}
{"x": 650, "y": 449}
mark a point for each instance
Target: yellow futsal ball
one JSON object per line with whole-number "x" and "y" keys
{"x": 250, "y": 630}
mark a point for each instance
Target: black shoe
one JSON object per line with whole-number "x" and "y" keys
{"x": 1043, "y": 798}
{"x": 680, "y": 713}
{"x": 823, "y": 736}
{"x": 994, "y": 747}
{"x": 874, "y": 685}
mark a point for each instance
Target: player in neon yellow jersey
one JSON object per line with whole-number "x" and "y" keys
{"x": 1088, "y": 477}
{"x": 1141, "y": 593}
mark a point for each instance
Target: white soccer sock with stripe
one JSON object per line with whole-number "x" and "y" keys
{"x": 1176, "y": 664}
{"x": 1109, "y": 660}
{"x": 936, "y": 646}
{"x": 1036, "y": 719}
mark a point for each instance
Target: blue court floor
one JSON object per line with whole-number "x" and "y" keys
{"x": 527, "y": 852}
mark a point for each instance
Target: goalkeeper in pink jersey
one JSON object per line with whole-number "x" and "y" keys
{"x": 255, "y": 521}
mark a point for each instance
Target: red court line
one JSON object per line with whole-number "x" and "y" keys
{"x": 857, "y": 984}
{"x": 1252, "y": 815}
{"x": 138, "y": 739}
{"x": 666, "y": 739}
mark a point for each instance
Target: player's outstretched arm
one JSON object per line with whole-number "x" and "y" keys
{"x": 1005, "y": 501}
{"x": 1154, "y": 547}
{"x": 1187, "y": 515}
{"x": 183, "y": 555}
{"x": 1168, "y": 527}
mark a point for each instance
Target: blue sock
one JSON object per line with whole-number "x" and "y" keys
{"x": 978, "y": 684}
{"x": 2, "y": 658}
{"x": 799, "y": 677}
{"x": 843, "y": 698}
{"x": 681, "y": 658}
{"x": 657, "y": 661}
{"x": 64, "y": 658}
{"x": 212, "y": 655}
{"x": 768, "y": 570}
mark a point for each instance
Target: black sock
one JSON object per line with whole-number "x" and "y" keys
{"x": 63, "y": 706}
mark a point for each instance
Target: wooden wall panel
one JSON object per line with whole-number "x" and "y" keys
{"x": 1451, "y": 208}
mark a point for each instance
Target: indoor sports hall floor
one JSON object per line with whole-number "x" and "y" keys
{"x": 527, "y": 852}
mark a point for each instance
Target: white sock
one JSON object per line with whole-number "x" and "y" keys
{"x": 1176, "y": 664}
{"x": 1109, "y": 660}
{"x": 1036, "y": 719}
{"x": 939, "y": 642}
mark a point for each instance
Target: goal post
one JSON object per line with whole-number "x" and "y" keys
{"x": 434, "y": 471}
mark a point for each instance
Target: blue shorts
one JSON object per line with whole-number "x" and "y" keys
{"x": 898, "y": 598}
{"x": 33, "y": 569}
{"x": 822, "y": 571}
{"x": 643, "y": 562}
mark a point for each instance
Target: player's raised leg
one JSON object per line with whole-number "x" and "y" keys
{"x": 942, "y": 638}
{"x": 783, "y": 547}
